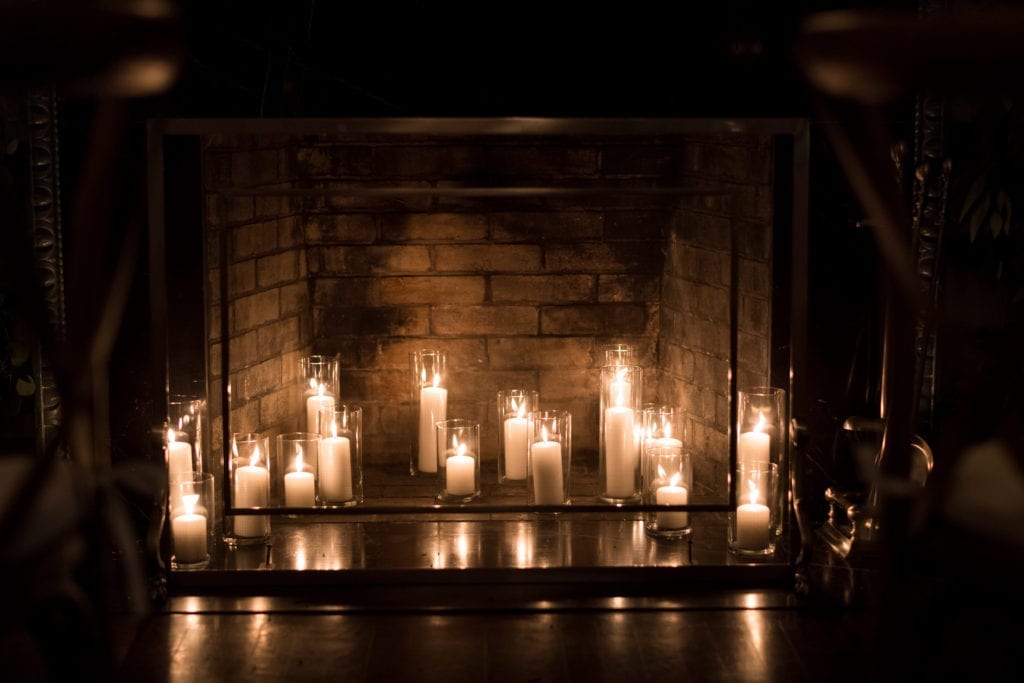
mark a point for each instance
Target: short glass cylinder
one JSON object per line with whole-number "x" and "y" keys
{"x": 663, "y": 426}
{"x": 549, "y": 457}
{"x": 250, "y": 488}
{"x": 762, "y": 431}
{"x": 321, "y": 385}
{"x": 429, "y": 405}
{"x": 340, "y": 463}
{"x": 668, "y": 480}
{"x": 458, "y": 443}
{"x": 187, "y": 436}
{"x": 297, "y": 461}
{"x": 618, "y": 354}
{"x": 192, "y": 512}
{"x": 620, "y": 431}
{"x": 513, "y": 407}
{"x": 751, "y": 525}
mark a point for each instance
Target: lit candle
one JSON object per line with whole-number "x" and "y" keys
{"x": 546, "y": 463}
{"x": 460, "y": 473}
{"x": 316, "y": 403}
{"x": 752, "y": 522}
{"x": 671, "y": 494}
{"x": 515, "y": 443}
{"x": 299, "y": 486}
{"x": 621, "y": 453}
{"x": 433, "y": 409}
{"x": 179, "y": 458}
{"x": 666, "y": 442}
{"x": 335, "y": 466}
{"x": 252, "y": 489}
{"x": 752, "y": 447}
{"x": 189, "y": 532}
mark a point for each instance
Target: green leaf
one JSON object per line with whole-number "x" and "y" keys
{"x": 26, "y": 386}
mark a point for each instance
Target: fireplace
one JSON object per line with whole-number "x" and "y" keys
{"x": 521, "y": 247}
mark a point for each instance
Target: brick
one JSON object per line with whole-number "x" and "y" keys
{"x": 223, "y": 209}
{"x": 677, "y": 295}
{"x": 290, "y": 233}
{"x": 543, "y": 162}
{"x": 628, "y": 288}
{"x": 430, "y": 289}
{"x": 245, "y": 416}
{"x": 282, "y": 406}
{"x": 597, "y": 319}
{"x": 381, "y": 385}
{"x": 706, "y": 230}
{"x": 713, "y": 338}
{"x": 755, "y": 278}
{"x": 483, "y": 320}
{"x": 569, "y": 384}
{"x": 349, "y": 291}
{"x": 274, "y": 206}
{"x": 431, "y": 162}
{"x": 294, "y": 297}
{"x": 290, "y": 371}
{"x": 635, "y": 225}
{"x": 312, "y": 162}
{"x": 217, "y": 170}
{"x": 462, "y": 353}
{"x": 677, "y": 361}
{"x": 565, "y": 226}
{"x": 709, "y": 267}
{"x": 277, "y": 268}
{"x": 752, "y": 351}
{"x": 553, "y": 289}
{"x": 711, "y": 373}
{"x": 383, "y": 320}
{"x": 340, "y": 228}
{"x": 435, "y": 227}
{"x": 352, "y": 260}
{"x": 254, "y": 240}
{"x": 258, "y": 379}
{"x": 754, "y": 239}
{"x": 518, "y": 353}
{"x": 256, "y": 167}
{"x": 711, "y": 302}
{"x": 594, "y": 257}
{"x": 755, "y": 314}
{"x": 276, "y": 337}
{"x": 350, "y": 196}
{"x": 488, "y": 258}
{"x": 213, "y": 329}
{"x": 243, "y": 350}
{"x": 641, "y": 160}
{"x": 255, "y": 309}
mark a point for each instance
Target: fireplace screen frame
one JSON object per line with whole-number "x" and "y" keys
{"x": 789, "y": 258}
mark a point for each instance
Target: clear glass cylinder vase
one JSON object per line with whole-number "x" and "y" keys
{"x": 620, "y": 433}
{"x": 429, "y": 405}
{"x": 514, "y": 405}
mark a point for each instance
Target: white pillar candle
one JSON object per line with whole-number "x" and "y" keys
{"x": 515, "y": 447}
{"x": 335, "y": 467}
{"x": 189, "y": 533}
{"x": 252, "y": 490}
{"x": 752, "y": 531}
{"x": 314, "y": 404}
{"x": 299, "y": 486}
{"x": 460, "y": 474}
{"x": 433, "y": 409}
{"x": 621, "y": 453}
{"x": 671, "y": 495}
{"x": 179, "y": 458}
{"x": 751, "y": 448}
{"x": 548, "y": 487}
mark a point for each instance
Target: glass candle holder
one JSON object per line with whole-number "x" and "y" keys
{"x": 250, "y": 488}
{"x": 620, "y": 432}
{"x": 429, "y": 405}
{"x": 664, "y": 426}
{"x": 668, "y": 480}
{"x": 321, "y": 383}
{"x": 297, "y": 461}
{"x": 618, "y": 354}
{"x": 514, "y": 405}
{"x": 186, "y": 437}
{"x": 549, "y": 457}
{"x": 751, "y": 525}
{"x": 340, "y": 465}
{"x": 762, "y": 431}
{"x": 192, "y": 520}
{"x": 458, "y": 443}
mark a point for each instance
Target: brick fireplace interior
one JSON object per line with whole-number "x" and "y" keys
{"x": 518, "y": 254}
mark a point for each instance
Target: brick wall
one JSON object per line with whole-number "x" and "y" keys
{"x": 520, "y": 291}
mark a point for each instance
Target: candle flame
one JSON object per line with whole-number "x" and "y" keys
{"x": 754, "y": 493}
{"x": 320, "y": 390}
{"x": 334, "y": 428}
{"x": 461, "y": 450}
{"x": 170, "y": 435}
{"x": 189, "y": 500}
{"x": 423, "y": 376}
{"x": 761, "y": 424}
{"x": 312, "y": 382}
{"x": 254, "y": 459}
{"x": 455, "y": 443}
{"x": 676, "y": 479}
{"x": 661, "y": 472}
{"x": 668, "y": 430}
{"x": 437, "y": 379}
{"x": 543, "y": 433}
{"x": 298, "y": 458}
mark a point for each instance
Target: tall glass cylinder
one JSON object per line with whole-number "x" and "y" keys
{"x": 297, "y": 461}
{"x": 340, "y": 463}
{"x": 458, "y": 443}
{"x": 429, "y": 375}
{"x": 618, "y": 354}
{"x": 192, "y": 520}
{"x": 514, "y": 405}
{"x": 762, "y": 431}
{"x": 250, "y": 482}
{"x": 550, "y": 457}
{"x": 321, "y": 384}
{"x": 187, "y": 436}
{"x": 620, "y": 433}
